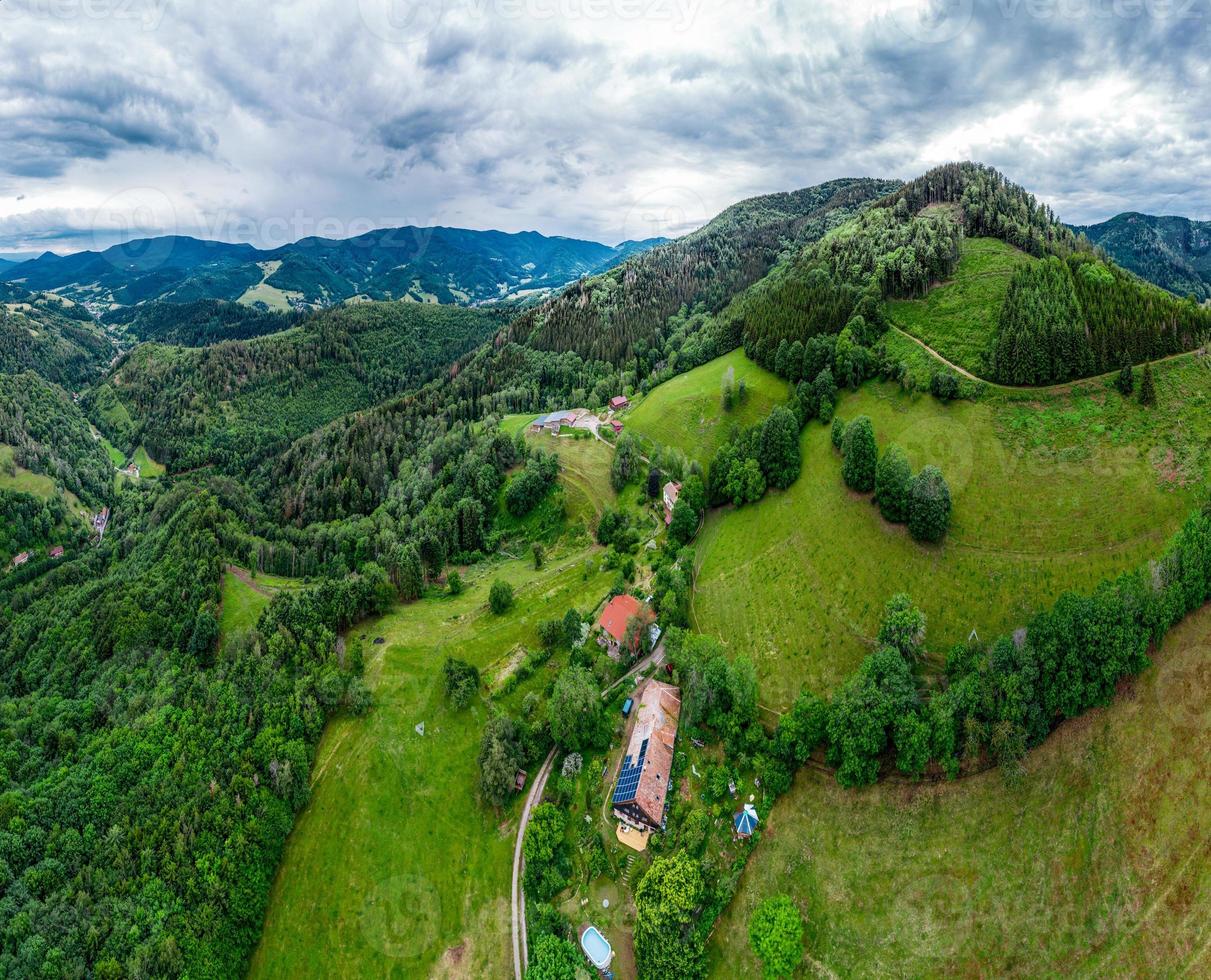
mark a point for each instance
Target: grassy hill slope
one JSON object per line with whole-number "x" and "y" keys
{"x": 1094, "y": 865}
{"x": 960, "y": 317}
{"x": 395, "y": 868}
{"x": 1049, "y": 494}
{"x": 687, "y": 411}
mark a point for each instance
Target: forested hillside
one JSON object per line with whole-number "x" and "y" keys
{"x": 1068, "y": 317}
{"x": 56, "y": 338}
{"x": 625, "y": 313}
{"x": 238, "y": 402}
{"x": 1173, "y": 252}
{"x": 49, "y": 435}
{"x": 150, "y": 778}
{"x": 198, "y": 323}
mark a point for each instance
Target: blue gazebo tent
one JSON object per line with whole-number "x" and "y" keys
{"x": 746, "y": 821}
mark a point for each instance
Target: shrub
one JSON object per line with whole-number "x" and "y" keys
{"x": 500, "y": 597}
{"x": 775, "y": 931}
{"x": 455, "y": 583}
{"x": 861, "y": 455}
{"x": 838, "y": 432}
{"x": 461, "y": 681}
{"x": 929, "y": 506}
{"x": 944, "y": 386}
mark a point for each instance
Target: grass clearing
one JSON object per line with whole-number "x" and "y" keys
{"x": 959, "y": 318}
{"x": 687, "y": 410}
{"x": 585, "y": 473}
{"x": 798, "y": 580}
{"x": 148, "y": 467}
{"x": 1096, "y": 865}
{"x": 395, "y": 869}
{"x": 22, "y": 480}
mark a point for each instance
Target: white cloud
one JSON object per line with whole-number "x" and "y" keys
{"x": 595, "y": 118}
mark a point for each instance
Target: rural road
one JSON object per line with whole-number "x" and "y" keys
{"x": 521, "y": 954}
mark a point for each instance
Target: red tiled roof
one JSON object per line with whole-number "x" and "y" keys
{"x": 618, "y": 400}
{"x": 56, "y": 551}
{"x": 617, "y": 613}
{"x": 656, "y": 722}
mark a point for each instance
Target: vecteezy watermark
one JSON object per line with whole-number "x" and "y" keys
{"x": 944, "y": 21}
{"x": 408, "y": 21}
{"x": 932, "y": 21}
{"x": 401, "y": 21}
{"x": 666, "y": 212}
{"x": 140, "y": 221}
{"x": 145, "y": 14}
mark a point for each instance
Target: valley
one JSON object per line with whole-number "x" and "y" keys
{"x": 942, "y": 631}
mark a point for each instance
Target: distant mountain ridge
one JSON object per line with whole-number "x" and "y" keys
{"x": 1171, "y": 251}
{"x": 438, "y": 264}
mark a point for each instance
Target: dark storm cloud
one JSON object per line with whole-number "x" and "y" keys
{"x": 542, "y": 113}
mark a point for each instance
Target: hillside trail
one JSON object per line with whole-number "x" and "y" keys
{"x": 1060, "y": 388}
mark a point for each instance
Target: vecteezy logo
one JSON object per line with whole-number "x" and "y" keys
{"x": 666, "y": 212}
{"x": 932, "y": 21}
{"x": 401, "y": 21}
{"x": 137, "y": 219}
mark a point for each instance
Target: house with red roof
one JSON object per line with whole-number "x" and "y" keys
{"x": 21, "y": 559}
{"x": 671, "y": 492}
{"x": 619, "y": 402}
{"x": 615, "y": 425}
{"x": 56, "y": 551}
{"x": 612, "y": 624}
{"x": 639, "y": 798}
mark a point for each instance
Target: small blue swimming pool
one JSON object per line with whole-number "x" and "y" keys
{"x": 596, "y": 948}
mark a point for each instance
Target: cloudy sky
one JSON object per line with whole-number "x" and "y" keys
{"x": 604, "y": 119}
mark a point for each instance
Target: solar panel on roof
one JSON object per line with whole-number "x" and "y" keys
{"x": 628, "y": 778}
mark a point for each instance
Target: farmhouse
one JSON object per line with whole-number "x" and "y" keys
{"x": 552, "y": 422}
{"x": 619, "y": 402}
{"x": 671, "y": 492}
{"x": 613, "y": 623}
{"x": 615, "y": 425}
{"x": 643, "y": 780}
{"x": 56, "y": 551}
{"x": 21, "y": 559}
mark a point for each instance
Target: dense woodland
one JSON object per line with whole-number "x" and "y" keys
{"x": 49, "y": 435}
{"x": 150, "y": 778}
{"x": 624, "y": 312}
{"x": 1173, "y": 252}
{"x": 59, "y": 340}
{"x": 199, "y": 323}
{"x": 236, "y": 403}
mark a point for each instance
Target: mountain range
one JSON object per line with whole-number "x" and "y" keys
{"x": 442, "y": 265}
{"x": 1171, "y": 251}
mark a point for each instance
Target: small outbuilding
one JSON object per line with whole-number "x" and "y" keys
{"x": 746, "y": 822}
{"x": 626, "y": 706}
{"x": 56, "y": 551}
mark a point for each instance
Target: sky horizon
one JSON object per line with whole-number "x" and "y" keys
{"x": 605, "y": 120}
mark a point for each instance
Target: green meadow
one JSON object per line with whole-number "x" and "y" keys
{"x": 959, "y": 318}
{"x": 395, "y": 869}
{"x": 687, "y": 411}
{"x": 1094, "y": 865}
{"x": 1048, "y": 494}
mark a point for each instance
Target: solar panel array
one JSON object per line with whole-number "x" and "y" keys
{"x": 628, "y": 778}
